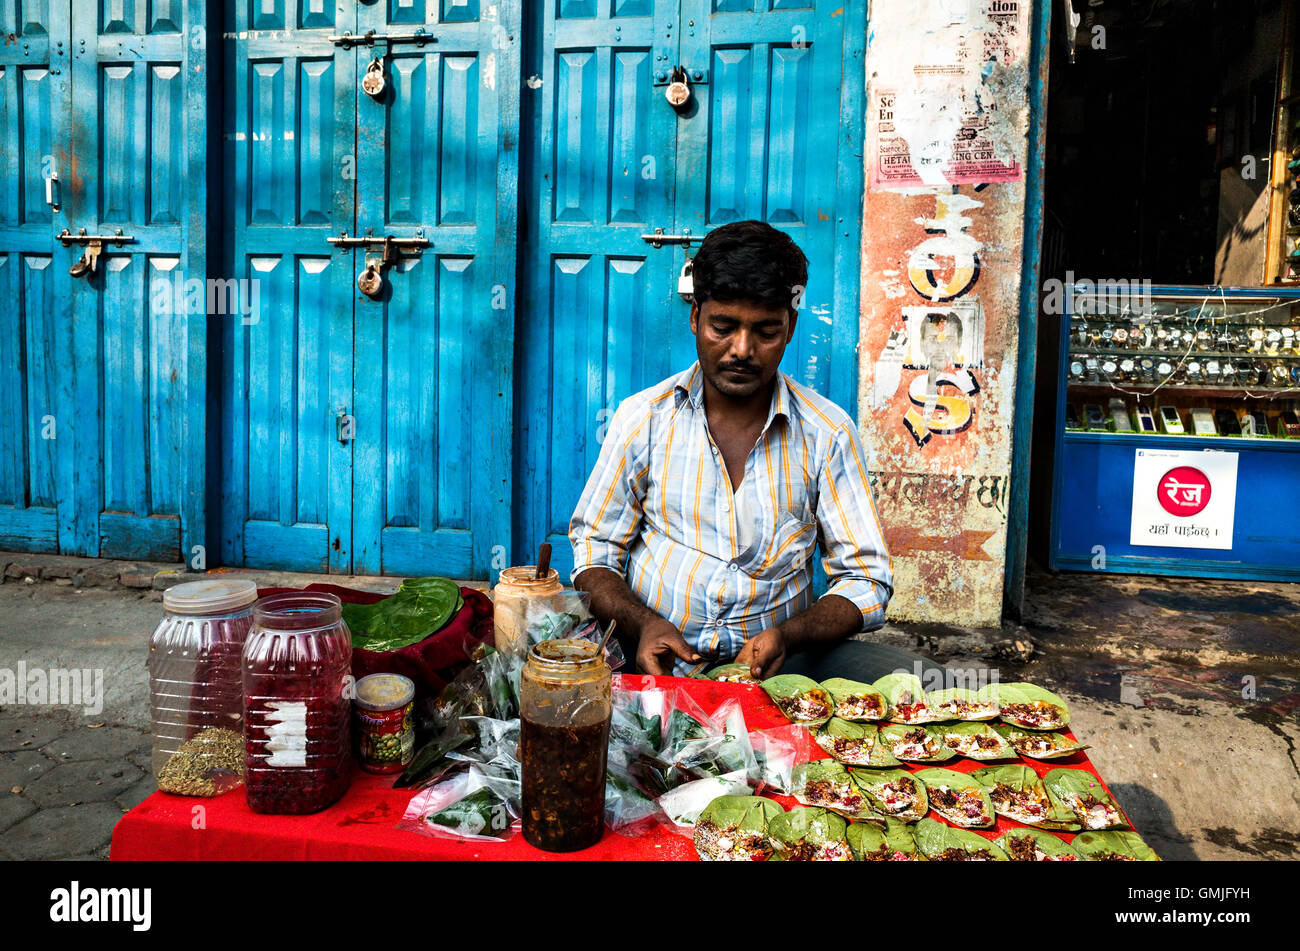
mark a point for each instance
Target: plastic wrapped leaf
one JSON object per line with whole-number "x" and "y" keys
{"x": 1113, "y": 846}
{"x": 734, "y": 829}
{"x": 810, "y": 835}
{"x": 802, "y": 699}
{"x": 856, "y": 702}
{"x": 1035, "y": 845}
{"x": 1083, "y": 794}
{"x": 978, "y": 741}
{"x": 627, "y": 807}
{"x": 724, "y": 749}
{"x": 465, "y": 805}
{"x": 907, "y": 699}
{"x": 776, "y": 753}
{"x": 941, "y": 843}
{"x": 958, "y": 798}
{"x": 1035, "y": 744}
{"x": 893, "y": 793}
{"x": 827, "y": 784}
{"x": 886, "y": 840}
{"x": 1030, "y": 707}
{"x": 684, "y": 804}
{"x": 915, "y": 744}
{"x": 959, "y": 703}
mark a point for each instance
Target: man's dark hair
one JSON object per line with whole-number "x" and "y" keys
{"x": 749, "y": 261}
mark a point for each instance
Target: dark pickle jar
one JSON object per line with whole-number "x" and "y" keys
{"x": 564, "y": 700}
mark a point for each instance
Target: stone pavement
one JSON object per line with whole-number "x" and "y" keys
{"x": 1188, "y": 691}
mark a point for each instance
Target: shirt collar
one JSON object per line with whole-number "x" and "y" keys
{"x": 690, "y": 389}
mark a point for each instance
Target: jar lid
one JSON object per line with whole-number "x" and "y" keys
{"x": 526, "y": 575}
{"x": 384, "y": 691}
{"x": 567, "y": 653}
{"x": 210, "y": 597}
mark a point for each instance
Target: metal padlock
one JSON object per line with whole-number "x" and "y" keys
{"x": 371, "y": 279}
{"x": 373, "y": 81}
{"x": 678, "y": 92}
{"x": 686, "y": 282}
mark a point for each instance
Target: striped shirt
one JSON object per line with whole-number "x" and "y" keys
{"x": 659, "y": 510}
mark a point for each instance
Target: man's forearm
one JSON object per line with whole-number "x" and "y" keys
{"x": 612, "y": 600}
{"x": 831, "y": 619}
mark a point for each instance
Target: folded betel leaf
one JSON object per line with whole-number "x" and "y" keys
{"x": 979, "y": 741}
{"x": 1083, "y": 794}
{"x": 1035, "y": 845}
{"x": 941, "y": 843}
{"x": 893, "y": 793}
{"x": 915, "y": 744}
{"x": 810, "y": 835}
{"x": 1038, "y": 745}
{"x": 887, "y": 841}
{"x": 801, "y": 699}
{"x": 907, "y": 700}
{"x": 680, "y": 728}
{"x": 734, "y": 829}
{"x": 1113, "y": 847}
{"x": 1030, "y": 707}
{"x": 1018, "y": 793}
{"x": 732, "y": 674}
{"x": 856, "y": 744}
{"x": 420, "y": 607}
{"x": 958, "y": 798}
{"x": 480, "y": 813}
{"x": 827, "y": 783}
{"x": 958, "y": 703}
{"x": 855, "y": 701}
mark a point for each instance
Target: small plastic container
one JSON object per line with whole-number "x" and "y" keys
{"x": 518, "y": 594}
{"x": 297, "y": 709}
{"x": 565, "y": 706}
{"x": 385, "y": 735}
{"x": 196, "y": 692}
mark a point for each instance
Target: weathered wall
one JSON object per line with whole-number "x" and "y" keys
{"x": 943, "y": 226}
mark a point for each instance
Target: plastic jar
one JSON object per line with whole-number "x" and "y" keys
{"x": 385, "y": 735}
{"x": 297, "y": 711}
{"x": 519, "y": 593}
{"x": 565, "y": 708}
{"x": 196, "y": 694}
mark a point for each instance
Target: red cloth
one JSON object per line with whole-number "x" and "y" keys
{"x": 363, "y": 824}
{"x": 434, "y": 661}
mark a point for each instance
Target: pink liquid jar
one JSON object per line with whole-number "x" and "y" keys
{"x": 297, "y": 671}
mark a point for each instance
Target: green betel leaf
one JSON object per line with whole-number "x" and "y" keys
{"x": 1030, "y": 707}
{"x": 420, "y": 607}
{"x": 827, "y": 784}
{"x": 958, "y": 798}
{"x": 941, "y": 843}
{"x": 915, "y": 744}
{"x": 732, "y": 674}
{"x": 1084, "y": 796}
{"x": 892, "y": 793}
{"x": 810, "y": 835}
{"x": 1035, "y": 845}
{"x": 682, "y": 727}
{"x": 855, "y": 701}
{"x": 734, "y": 829}
{"x": 1019, "y": 794}
{"x": 801, "y": 699}
{"x": 906, "y": 698}
{"x": 958, "y": 703}
{"x": 978, "y": 741}
{"x": 1039, "y": 745}
{"x": 887, "y": 841}
{"x": 856, "y": 744}
{"x": 1113, "y": 847}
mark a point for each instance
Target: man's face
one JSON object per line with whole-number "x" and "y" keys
{"x": 740, "y": 343}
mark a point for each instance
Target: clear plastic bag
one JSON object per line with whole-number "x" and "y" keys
{"x": 567, "y": 614}
{"x": 777, "y": 752}
{"x": 682, "y": 806}
{"x": 468, "y": 804}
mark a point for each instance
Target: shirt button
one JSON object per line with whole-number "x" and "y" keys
{"x": 731, "y": 565}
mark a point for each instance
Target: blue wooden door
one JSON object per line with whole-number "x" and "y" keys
{"x": 123, "y": 128}
{"x": 371, "y": 434}
{"x": 35, "y": 343}
{"x": 774, "y": 133}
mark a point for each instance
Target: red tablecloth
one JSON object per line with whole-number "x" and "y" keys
{"x": 362, "y": 825}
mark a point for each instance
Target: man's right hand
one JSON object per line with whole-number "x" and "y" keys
{"x": 660, "y": 644}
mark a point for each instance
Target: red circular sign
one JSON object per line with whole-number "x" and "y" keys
{"x": 1183, "y": 491}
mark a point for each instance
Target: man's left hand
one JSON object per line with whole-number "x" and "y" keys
{"x": 764, "y": 652}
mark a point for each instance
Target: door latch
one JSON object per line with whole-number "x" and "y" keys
{"x": 94, "y": 246}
